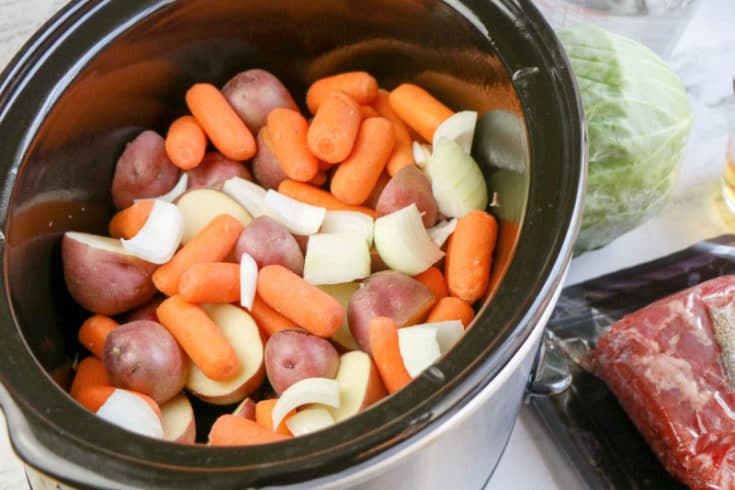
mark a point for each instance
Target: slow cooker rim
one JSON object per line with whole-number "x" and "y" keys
{"x": 552, "y": 272}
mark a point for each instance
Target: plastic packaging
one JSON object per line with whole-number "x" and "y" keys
{"x": 661, "y": 364}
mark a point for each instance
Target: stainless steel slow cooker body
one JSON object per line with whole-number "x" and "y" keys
{"x": 100, "y": 71}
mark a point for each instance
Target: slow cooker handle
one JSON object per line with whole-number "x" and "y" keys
{"x": 550, "y": 374}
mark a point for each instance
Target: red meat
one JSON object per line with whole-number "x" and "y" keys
{"x": 663, "y": 364}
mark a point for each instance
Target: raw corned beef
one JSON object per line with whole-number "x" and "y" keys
{"x": 664, "y": 363}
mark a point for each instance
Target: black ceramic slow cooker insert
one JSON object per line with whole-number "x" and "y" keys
{"x": 101, "y": 71}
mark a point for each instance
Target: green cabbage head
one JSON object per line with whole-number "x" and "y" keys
{"x": 638, "y": 121}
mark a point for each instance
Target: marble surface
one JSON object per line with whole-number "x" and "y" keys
{"x": 704, "y": 58}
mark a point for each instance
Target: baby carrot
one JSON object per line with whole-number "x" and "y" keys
{"x": 451, "y": 308}
{"x": 268, "y": 319}
{"x": 433, "y": 279}
{"x": 186, "y": 143}
{"x": 231, "y": 430}
{"x": 287, "y": 131}
{"x": 199, "y": 336}
{"x": 402, "y": 154}
{"x": 355, "y": 178}
{"x": 360, "y": 85}
{"x": 93, "y": 332}
{"x": 318, "y": 197}
{"x": 299, "y": 301}
{"x": 127, "y": 222}
{"x": 227, "y": 132}
{"x": 264, "y": 416}
{"x": 418, "y": 109}
{"x": 93, "y": 397}
{"x": 212, "y": 244}
{"x": 211, "y": 282}
{"x": 333, "y": 131}
{"x": 90, "y": 372}
{"x": 319, "y": 179}
{"x": 368, "y": 111}
{"x": 469, "y": 258}
{"x": 383, "y": 335}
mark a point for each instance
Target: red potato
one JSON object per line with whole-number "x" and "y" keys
{"x": 390, "y": 294}
{"x": 409, "y": 185}
{"x": 144, "y": 312}
{"x": 269, "y": 242}
{"x": 254, "y": 93}
{"x": 266, "y": 167}
{"x": 243, "y": 335}
{"x": 246, "y": 409}
{"x": 359, "y": 385}
{"x": 200, "y": 206}
{"x": 293, "y": 355}
{"x": 372, "y": 200}
{"x": 177, "y": 417}
{"x": 102, "y": 276}
{"x": 214, "y": 170}
{"x": 143, "y": 170}
{"x": 142, "y": 356}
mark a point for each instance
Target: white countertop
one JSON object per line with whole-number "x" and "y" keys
{"x": 705, "y": 61}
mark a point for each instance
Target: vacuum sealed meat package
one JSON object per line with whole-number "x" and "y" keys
{"x": 671, "y": 365}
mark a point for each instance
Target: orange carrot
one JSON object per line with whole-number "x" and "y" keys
{"x": 93, "y": 332}
{"x": 469, "y": 258}
{"x": 93, "y": 397}
{"x": 127, "y": 222}
{"x": 359, "y": 85}
{"x": 433, "y": 279}
{"x": 299, "y": 301}
{"x": 264, "y": 416}
{"x": 212, "y": 244}
{"x": 355, "y": 178}
{"x": 227, "y": 132}
{"x": 402, "y": 154}
{"x": 319, "y": 179}
{"x": 287, "y": 130}
{"x": 383, "y": 335}
{"x": 90, "y": 372}
{"x": 451, "y": 308}
{"x": 372, "y": 200}
{"x": 318, "y": 197}
{"x": 211, "y": 282}
{"x": 186, "y": 143}
{"x": 333, "y": 131}
{"x": 368, "y": 111}
{"x": 231, "y": 430}
{"x": 199, "y": 336}
{"x": 418, "y": 109}
{"x": 268, "y": 319}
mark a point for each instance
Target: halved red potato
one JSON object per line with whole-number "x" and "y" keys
{"x": 102, "y": 276}
{"x": 241, "y": 331}
{"x": 179, "y": 424}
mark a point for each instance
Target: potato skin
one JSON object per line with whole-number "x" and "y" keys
{"x": 146, "y": 311}
{"x": 293, "y": 355}
{"x": 143, "y": 356}
{"x": 391, "y": 294}
{"x": 266, "y": 166}
{"x": 269, "y": 243}
{"x": 254, "y": 93}
{"x": 143, "y": 170}
{"x": 103, "y": 281}
{"x": 409, "y": 185}
{"x": 214, "y": 170}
